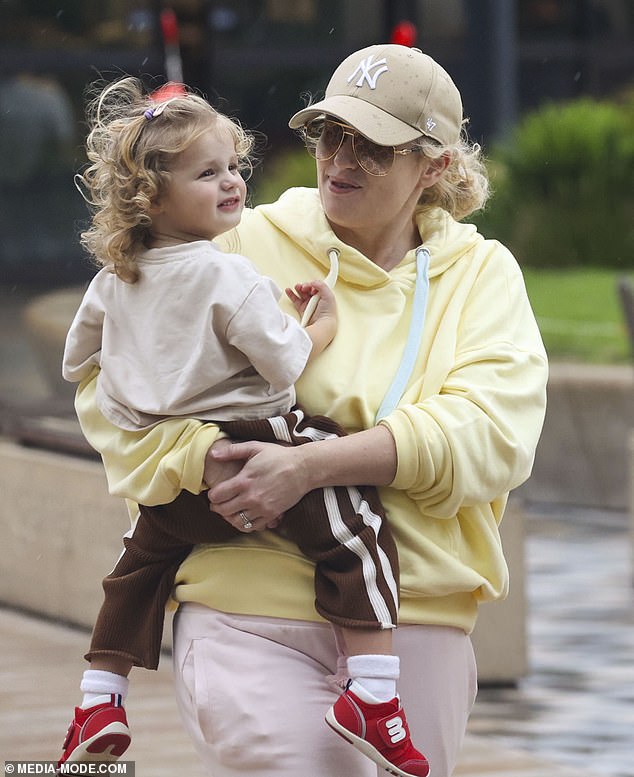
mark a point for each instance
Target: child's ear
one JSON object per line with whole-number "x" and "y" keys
{"x": 155, "y": 207}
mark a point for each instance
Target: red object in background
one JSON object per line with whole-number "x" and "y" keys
{"x": 404, "y": 33}
{"x": 169, "y": 31}
{"x": 169, "y": 27}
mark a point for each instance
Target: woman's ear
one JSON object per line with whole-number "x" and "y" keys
{"x": 433, "y": 170}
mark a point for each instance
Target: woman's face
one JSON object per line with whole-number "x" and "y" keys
{"x": 361, "y": 207}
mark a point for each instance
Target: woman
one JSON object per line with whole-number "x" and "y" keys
{"x": 437, "y": 371}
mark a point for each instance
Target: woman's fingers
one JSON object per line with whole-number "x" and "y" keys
{"x": 270, "y": 482}
{"x": 247, "y": 524}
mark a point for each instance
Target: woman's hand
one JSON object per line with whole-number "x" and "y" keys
{"x": 216, "y": 469}
{"x": 269, "y": 480}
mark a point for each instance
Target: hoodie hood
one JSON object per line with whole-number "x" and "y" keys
{"x": 299, "y": 215}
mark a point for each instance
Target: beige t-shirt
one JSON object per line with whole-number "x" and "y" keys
{"x": 199, "y": 335}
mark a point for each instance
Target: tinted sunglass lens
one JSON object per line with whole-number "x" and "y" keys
{"x": 324, "y": 139}
{"x": 313, "y": 130}
{"x": 312, "y": 133}
{"x": 374, "y": 159}
{"x": 330, "y": 140}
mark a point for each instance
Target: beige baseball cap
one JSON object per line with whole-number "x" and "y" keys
{"x": 392, "y": 94}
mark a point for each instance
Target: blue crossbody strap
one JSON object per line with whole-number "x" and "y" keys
{"x": 412, "y": 345}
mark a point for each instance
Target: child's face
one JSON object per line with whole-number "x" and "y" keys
{"x": 205, "y": 195}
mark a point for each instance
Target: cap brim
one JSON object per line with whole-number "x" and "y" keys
{"x": 373, "y": 122}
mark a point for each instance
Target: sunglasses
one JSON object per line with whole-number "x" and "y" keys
{"x": 324, "y": 138}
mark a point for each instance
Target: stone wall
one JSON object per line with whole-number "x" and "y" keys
{"x": 583, "y": 454}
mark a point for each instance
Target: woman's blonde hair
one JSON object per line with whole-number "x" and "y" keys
{"x": 131, "y": 145}
{"x": 463, "y": 188}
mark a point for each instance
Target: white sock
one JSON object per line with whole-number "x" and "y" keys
{"x": 97, "y": 682}
{"x": 376, "y": 674}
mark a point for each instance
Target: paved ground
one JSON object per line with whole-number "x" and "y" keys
{"x": 41, "y": 662}
{"x": 577, "y": 704}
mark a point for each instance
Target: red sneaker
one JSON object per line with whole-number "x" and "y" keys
{"x": 98, "y": 733}
{"x": 379, "y": 731}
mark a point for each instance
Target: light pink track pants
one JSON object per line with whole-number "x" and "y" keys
{"x": 253, "y": 693}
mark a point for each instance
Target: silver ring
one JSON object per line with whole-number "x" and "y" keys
{"x": 245, "y": 520}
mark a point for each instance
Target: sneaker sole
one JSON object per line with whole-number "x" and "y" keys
{"x": 108, "y": 745}
{"x": 365, "y": 747}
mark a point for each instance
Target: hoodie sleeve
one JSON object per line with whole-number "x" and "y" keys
{"x": 473, "y": 437}
{"x": 150, "y": 466}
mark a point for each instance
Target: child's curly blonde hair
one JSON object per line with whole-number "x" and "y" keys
{"x": 131, "y": 145}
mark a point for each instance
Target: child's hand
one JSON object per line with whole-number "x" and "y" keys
{"x": 301, "y": 295}
{"x": 321, "y": 326}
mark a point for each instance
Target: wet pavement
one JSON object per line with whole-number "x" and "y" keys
{"x": 576, "y": 706}
{"x": 39, "y": 675}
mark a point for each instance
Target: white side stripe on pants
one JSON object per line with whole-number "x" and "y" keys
{"x": 370, "y": 518}
{"x": 281, "y": 432}
{"x": 343, "y": 534}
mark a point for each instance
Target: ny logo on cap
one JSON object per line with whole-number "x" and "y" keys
{"x": 365, "y": 67}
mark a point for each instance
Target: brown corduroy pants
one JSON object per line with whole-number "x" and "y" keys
{"x": 342, "y": 529}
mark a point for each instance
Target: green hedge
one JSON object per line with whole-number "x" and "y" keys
{"x": 292, "y": 167}
{"x": 563, "y": 183}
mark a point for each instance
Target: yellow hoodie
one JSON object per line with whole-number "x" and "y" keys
{"x": 465, "y": 429}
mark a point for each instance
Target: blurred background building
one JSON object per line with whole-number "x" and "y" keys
{"x": 255, "y": 59}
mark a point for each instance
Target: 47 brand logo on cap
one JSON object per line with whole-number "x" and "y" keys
{"x": 368, "y": 71}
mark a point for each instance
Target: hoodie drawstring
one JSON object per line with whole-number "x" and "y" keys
{"x": 414, "y": 337}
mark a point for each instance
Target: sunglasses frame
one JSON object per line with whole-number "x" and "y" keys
{"x": 346, "y": 129}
